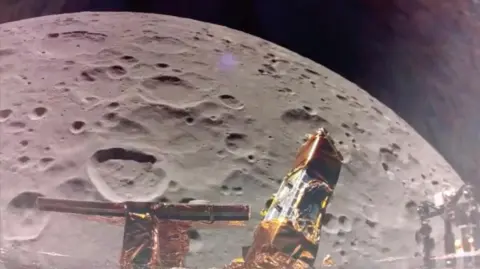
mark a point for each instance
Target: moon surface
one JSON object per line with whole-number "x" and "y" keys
{"x": 125, "y": 106}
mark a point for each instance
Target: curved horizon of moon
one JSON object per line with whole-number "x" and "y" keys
{"x": 124, "y": 106}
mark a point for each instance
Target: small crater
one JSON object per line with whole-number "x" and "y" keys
{"x": 395, "y": 146}
{"x": 237, "y": 181}
{"x": 285, "y": 90}
{"x": 269, "y": 55}
{"x": 313, "y": 72}
{"x": 358, "y": 129}
{"x": 123, "y": 154}
{"x": 116, "y": 71}
{"x": 113, "y": 105}
{"x": 168, "y": 79}
{"x": 162, "y": 199}
{"x": 91, "y": 99}
{"x": 377, "y": 110}
{"x": 224, "y": 188}
{"x": 24, "y": 201}
{"x": 356, "y": 104}
{"x": 46, "y": 161}
{"x": 237, "y": 190}
{"x": 23, "y": 159}
{"x": 345, "y": 225}
{"x": 162, "y": 65}
{"x": 385, "y": 166}
{"x": 6, "y": 52}
{"x": 92, "y": 74}
{"x": 327, "y": 218}
{"x": 230, "y": 101}
{"x": 212, "y": 120}
{"x": 269, "y": 68}
{"x": 341, "y": 97}
{"x": 5, "y": 114}
{"x": 78, "y": 189}
{"x": 411, "y": 207}
{"x": 370, "y": 223}
{"x": 53, "y": 35}
{"x": 301, "y": 115}
{"x": 23, "y": 220}
{"x": 189, "y": 120}
{"x": 330, "y": 224}
{"x": 77, "y": 127}
{"x": 386, "y": 151}
{"x": 237, "y": 141}
{"x": 307, "y": 109}
{"x": 38, "y": 113}
{"x": 186, "y": 200}
{"x": 388, "y": 154}
{"x": 193, "y": 234}
{"x": 111, "y": 116}
{"x": 127, "y": 59}
{"x": 173, "y": 186}
{"x": 86, "y": 76}
{"x": 165, "y": 80}
{"x": 24, "y": 143}
{"x": 16, "y": 126}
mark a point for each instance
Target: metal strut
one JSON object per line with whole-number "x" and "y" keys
{"x": 462, "y": 215}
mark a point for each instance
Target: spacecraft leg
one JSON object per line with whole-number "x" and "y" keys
{"x": 423, "y": 236}
{"x": 476, "y": 239}
{"x": 467, "y": 246}
{"x": 449, "y": 238}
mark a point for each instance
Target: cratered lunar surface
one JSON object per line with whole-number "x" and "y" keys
{"x": 124, "y": 106}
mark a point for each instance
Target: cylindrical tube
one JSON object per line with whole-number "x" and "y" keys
{"x": 185, "y": 212}
{"x": 81, "y": 207}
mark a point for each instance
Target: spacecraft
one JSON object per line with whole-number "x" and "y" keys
{"x": 288, "y": 236}
{"x": 155, "y": 234}
{"x": 461, "y": 217}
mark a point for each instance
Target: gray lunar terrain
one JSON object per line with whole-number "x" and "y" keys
{"x": 124, "y": 106}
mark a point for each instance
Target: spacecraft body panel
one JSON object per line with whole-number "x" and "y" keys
{"x": 293, "y": 216}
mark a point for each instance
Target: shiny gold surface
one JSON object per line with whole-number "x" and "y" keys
{"x": 290, "y": 240}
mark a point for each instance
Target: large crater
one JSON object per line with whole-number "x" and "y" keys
{"x": 122, "y": 174}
